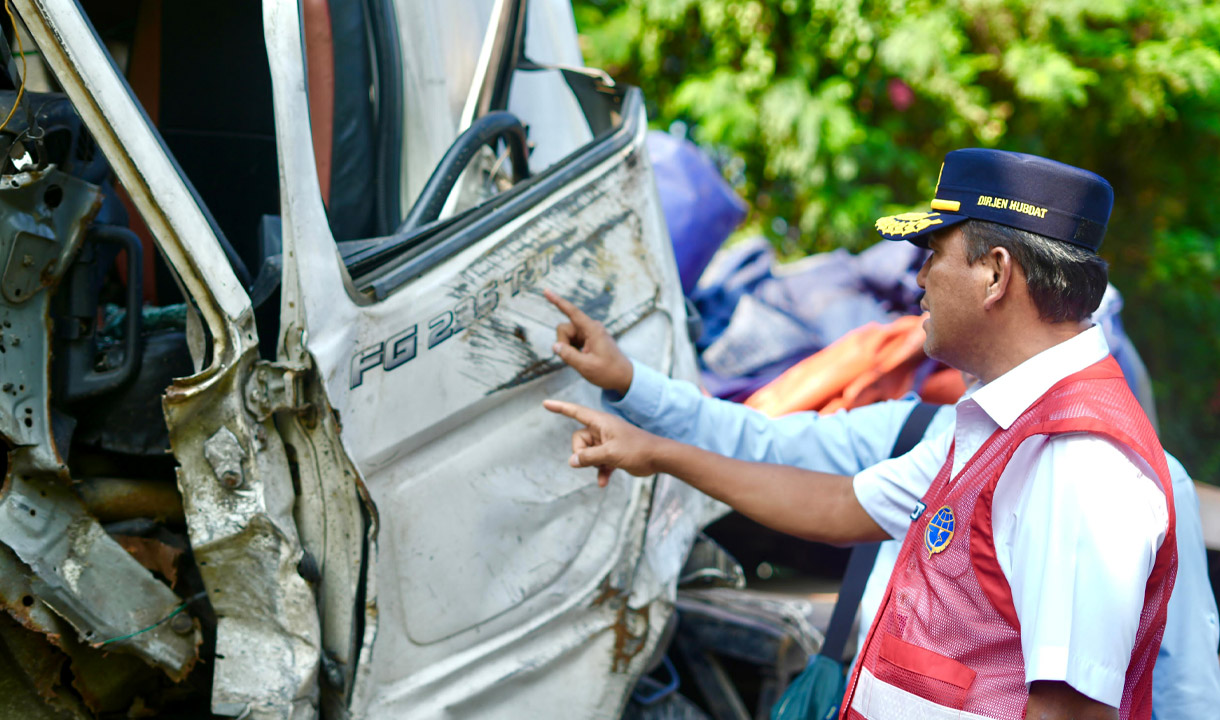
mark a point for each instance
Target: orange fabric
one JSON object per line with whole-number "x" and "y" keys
{"x": 144, "y": 76}
{"x": 320, "y": 64}
{"x": 144, "y": 67}
{"x": 871, "y": 363}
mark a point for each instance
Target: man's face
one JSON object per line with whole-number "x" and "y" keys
{"x": 955, "y": 292}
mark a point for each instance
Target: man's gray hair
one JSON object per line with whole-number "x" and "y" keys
{"x": 1066, "y": 282}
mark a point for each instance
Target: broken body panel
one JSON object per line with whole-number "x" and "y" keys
{"x": 382, "y": 517}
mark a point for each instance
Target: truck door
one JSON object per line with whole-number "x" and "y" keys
{"x": 507, "y": 584}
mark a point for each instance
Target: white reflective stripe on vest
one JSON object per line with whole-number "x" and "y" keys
{"x": 878, "y": 700}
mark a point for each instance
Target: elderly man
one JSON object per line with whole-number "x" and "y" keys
{"x": 1035, "y": 574}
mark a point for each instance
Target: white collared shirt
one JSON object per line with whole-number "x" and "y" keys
{"x": 1077, "y": 522}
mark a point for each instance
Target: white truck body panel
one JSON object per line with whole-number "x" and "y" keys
{"x": 508, "y": 583}
{"x": 502, "y": 582}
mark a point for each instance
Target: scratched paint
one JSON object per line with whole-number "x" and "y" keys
{"x": 491, "y": 550}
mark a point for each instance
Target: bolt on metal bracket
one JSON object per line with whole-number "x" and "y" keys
{"x": 224, "y": 453}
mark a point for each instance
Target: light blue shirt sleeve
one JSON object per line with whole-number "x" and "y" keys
{"x": 1186, "y": 678}
{"x": 843, "y": 443}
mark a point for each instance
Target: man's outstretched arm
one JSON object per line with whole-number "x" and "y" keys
{"x": 840, "y": 443}
{"x": 803, "y": 503}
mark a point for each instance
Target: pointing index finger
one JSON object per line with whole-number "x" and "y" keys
{"x": 575, "y": 314}
{"x": 579, "y": 413}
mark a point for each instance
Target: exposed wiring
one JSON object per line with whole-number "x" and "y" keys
{"x": 21, "y": 51}
{"x": 167, "y": 618}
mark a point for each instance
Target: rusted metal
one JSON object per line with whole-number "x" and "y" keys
{"x": 30, "y": 676}
{"x": 336, "y": 517}
{"x": 109, "y": 682}
{"x": 630, "y": 625}
{"x": 18, "y": 599}
{"x": 182, "y": 624}
{"x": 225, "y": 454}
{"x": 25, "y": 346}
{"x": 100, "y": 680}
{"x": 78, "y": 569}
{"x": 501, "y": 621}
{"x": 156, "y": 556}
{"x": 275, "y": 388}
{"x": 112, "y": 499}
{"x": 34, "y": 657}
{"x": 87, "y": 577}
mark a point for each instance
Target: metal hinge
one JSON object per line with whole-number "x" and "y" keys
{"x": 273, "y": 388}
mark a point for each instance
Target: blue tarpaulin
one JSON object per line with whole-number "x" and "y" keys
{"x": 701, "y": 210}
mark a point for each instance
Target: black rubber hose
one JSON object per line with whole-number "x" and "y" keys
{"x": 485, "y": 131}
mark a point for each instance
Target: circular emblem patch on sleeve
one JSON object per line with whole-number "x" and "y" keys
{"x": 939, "y": 533}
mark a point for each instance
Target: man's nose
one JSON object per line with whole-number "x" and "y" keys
{"x": 923, "y": 273}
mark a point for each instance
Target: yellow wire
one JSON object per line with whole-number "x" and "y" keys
{"x": 21, "y": 51}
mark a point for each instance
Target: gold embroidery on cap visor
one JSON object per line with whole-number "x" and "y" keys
{"x": 907, "y": 223}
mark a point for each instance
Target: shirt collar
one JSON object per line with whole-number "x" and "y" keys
{"x": 1008, "y": 396}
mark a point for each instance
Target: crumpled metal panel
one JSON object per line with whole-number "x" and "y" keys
{"x": 30, "y": 662}
{"x": 37, "y": 243}
{"x": 238, "y": 498}
{"x": 574, "y": 636}
{"x": 106, "y": 681}
{"x": 29, "y": 671}
{"x": 334, "y": 513}
{"x": 244, "y": 538}
{"x": 262, "y": 573}
{"x": 80, "y": 571}
{"x": 88, "y": 578}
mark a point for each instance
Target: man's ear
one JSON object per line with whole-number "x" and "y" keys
{"x": 998, "y": 263}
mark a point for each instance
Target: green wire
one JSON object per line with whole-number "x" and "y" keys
{"x": 176, "y": 610}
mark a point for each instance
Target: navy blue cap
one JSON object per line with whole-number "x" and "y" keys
{"x": 1027, "y": 192}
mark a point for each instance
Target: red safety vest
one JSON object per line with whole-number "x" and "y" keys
{"x": 947, "y": 642}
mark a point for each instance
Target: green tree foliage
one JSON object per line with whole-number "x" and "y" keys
{"x": 835, "y": 112}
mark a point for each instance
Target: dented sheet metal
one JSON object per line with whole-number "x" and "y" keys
{"x": 88, "y": 578}
{"x": 334, "y": 514}
{"x": 509, "y": 585}
{"x": 240, "y": 518}
{"x": 238, "y": 497}
{"x": 37, "y": 242}
{"x": 79, "y": 571}
{"x": 491, "y": 580}
{"x": 43, "y": 644}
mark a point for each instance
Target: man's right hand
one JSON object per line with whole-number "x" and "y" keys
{"x": 584, "y": 344}
{"x": 607, "y": 442}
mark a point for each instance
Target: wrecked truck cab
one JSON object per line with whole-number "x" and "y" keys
{"x": 367, "y": 512}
